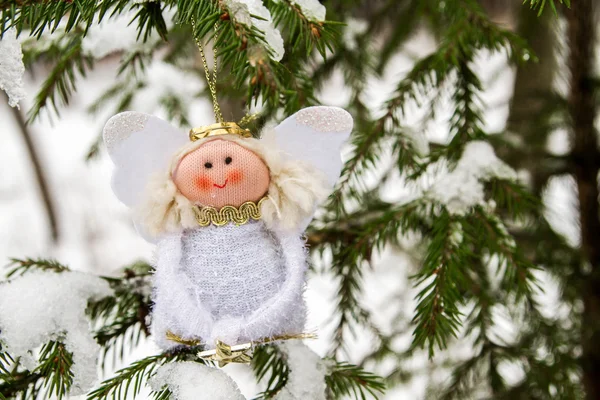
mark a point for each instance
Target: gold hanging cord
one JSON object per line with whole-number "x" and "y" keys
{"x": 212, "y": 83}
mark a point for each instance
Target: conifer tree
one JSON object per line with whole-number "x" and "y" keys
{"x": 481, "y": 251}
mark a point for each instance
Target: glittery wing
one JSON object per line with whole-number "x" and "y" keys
{"x": 139, "y": 145}
{"x": 316, "y": 135}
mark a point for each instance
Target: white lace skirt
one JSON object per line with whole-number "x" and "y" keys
{"x": 232, "y": 270}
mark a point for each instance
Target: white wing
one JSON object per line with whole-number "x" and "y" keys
{"x": 316, "y": 135}
{"x": 139, "y": 145}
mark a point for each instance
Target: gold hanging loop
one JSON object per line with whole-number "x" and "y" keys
{"x": 212, "y": 81}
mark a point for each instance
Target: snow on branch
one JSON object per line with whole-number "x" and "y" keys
{"x": 306, "y": 378}
{"x": 189, "y": 380}
{"x": 462, "y": 188}
{"x": 11, "y": 68}
{"x": 253, "y": 13}
{"x": 312, "y": 9}
{"x": 42, "y": 307}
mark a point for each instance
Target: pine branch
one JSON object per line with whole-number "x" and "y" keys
{"x": 541, "y": 4}
{"x": 518, "y": 270}
{"x": 345, "y": 379}
{"x": 43, "y": 16}
{"x": 270, "y": 362}
{"x": 150, "y": 18}
{"x": 52, "y": 377}
{"x": 55, "y": 365}
{"x": 61, "y": 80}
{"x": 442, "y": 277}
{"x": 301, "y": 33}
{"x": 121, "y": 320}
{"x": 18, "y": 267}
{"x": 422, "y": 84}
{"x": 129, "y": 380}
{"x": 164, "y": 394}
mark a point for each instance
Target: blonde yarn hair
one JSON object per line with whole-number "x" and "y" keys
{"x": 295, "y": 189}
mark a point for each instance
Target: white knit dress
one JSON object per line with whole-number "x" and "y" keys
{"x": 232, "y": 283}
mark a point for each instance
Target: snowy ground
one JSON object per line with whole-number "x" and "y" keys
{"x": 96, "y": 233}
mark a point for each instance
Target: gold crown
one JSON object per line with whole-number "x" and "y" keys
{"x": 220, "y": 128}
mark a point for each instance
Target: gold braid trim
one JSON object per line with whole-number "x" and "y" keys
{"x": 239, "y": 215}
{"x": 241, "y": 353}
{"x": 176, "y": 338}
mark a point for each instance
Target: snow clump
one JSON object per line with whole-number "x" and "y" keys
{"x": 188, "y": 380}
{"x": 312, "y": 9}
{"x": 12, "y": 68}
{"x": 43, "y": 306}
{"x": 307, "y": 373}
{"x": 242, "y": 11}
{"x": 462, "y": 188}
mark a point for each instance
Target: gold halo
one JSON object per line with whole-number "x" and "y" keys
{"x": 220, "y": 128}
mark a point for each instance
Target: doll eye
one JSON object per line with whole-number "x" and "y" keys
{"x": 208, "y": 165}
{"x": 228, "y": 160}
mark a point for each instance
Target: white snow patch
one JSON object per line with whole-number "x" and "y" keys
{"x": 307, "y": 373}
{"x": 110, "y": 36}
{"x": 312, "y": 9}
{"x": 43, "y": 306}
{"x": 462, "y": 188}
{"x": 354, "y": 28}
{"x": 193, "y": 381}
{"x": 243, "y": 10}
{"x": 12, "y": 68}
{"x": 456, "y": 235}
{"x": 419, "y": 141}
{"x": 163, "y": 79}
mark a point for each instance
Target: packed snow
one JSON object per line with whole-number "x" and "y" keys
{"x": 110, "y": 36}
{"x": 12, "y": 68}
{"x": 418, "y": 140}
{"x": 117, "y": 34}
{"x": 43, "y": 306}
{"x": 243, "y": 10}
{"x": 312, "y": 9}
{"x": 189, "y": 380}
{"x": 163, "y": 80}
{"x": 354, "y": 29}
{"x": 462, "y": 188}
{"x": 307, "y": 373}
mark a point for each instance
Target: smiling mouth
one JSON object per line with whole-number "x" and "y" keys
{"x": 221, "y": 186}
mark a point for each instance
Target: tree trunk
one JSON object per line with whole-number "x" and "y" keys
{"x": 585, "y": 157}
{"x": 38, "y": 173}
{"x": 533, "y": 84}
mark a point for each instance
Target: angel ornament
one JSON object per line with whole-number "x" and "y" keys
{"x": 227, "y": 213}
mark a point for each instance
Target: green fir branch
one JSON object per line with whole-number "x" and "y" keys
{"x": 60, "y": 83}
{"x": 150, "y": 19}
{"x": 301, "y": 33}
{"x": 121, "y": 320}
{"x": 349, "y": 380}
{"x": 441, "y": 280}
{"x": 42, "y": 16}
{"x": 129, "y": 380}
{"x": 541, "y": 4}
{"x": 53, "y": 377}
{"x": 56, "y": 366}
{"x": 18, "y": 267}
{"x": 269, "y": 364}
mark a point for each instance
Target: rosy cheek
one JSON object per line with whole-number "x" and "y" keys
{"x": 203, "y": 183}
{"x": 235, "y": 176}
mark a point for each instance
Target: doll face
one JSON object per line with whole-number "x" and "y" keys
{"x": 222, "y": 173}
